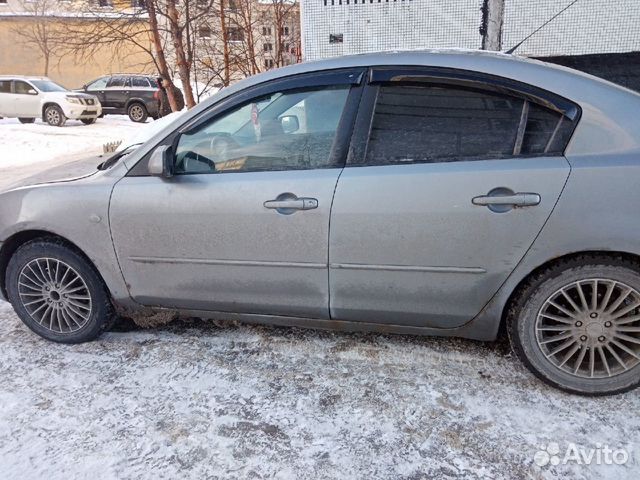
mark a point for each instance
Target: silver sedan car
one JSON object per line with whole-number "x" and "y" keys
{"x": 435, "y": 193}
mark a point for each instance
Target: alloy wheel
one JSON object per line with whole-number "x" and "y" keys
{"x": 136, "y": 112}
{"x": 54, "y": 295}
{"x": 591, "y": 328}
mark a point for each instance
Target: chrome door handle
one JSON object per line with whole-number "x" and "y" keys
{"x": 516, "y": 200}
{"x": 289, "y": 203}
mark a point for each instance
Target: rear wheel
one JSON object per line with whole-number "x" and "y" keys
{"x": 88, "y": 121}
{"x": 57, "y": 293}
{"x": 137, "y": 112}
{"x": 54, "y": 116}
{"x": 26, "y": 120}
{"x": 576, "y": 325}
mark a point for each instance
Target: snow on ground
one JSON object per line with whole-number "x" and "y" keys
{"x": 25, "y": 149}
{"x": 193, "y": 400}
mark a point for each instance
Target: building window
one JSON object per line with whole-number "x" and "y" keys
{"x": 104, "y": 3}
{"x": 232, "y": 5}
{"x": 265, "y": 30}
{"x": 268, "y": 47}
{"x": 268, "y": 63}
{"x": 236, "y": 34}
{"x": 138, "y": 4}
{"x": 3, "y": 2}
{"x": 284, "y": 31}
{"x": 336, "y": 38}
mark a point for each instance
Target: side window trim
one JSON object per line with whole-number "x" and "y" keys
{"x": 350, "y": 76}
{"x": 482, "y": 81}
{"x": 378, "y": 76}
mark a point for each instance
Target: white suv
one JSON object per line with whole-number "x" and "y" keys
{"x": 28, "y": 98}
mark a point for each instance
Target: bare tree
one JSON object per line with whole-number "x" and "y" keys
{"x": 40, "y": 32}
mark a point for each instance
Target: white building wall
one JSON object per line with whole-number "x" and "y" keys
{"x": 387, "y": 25}
{"x": 589, "y": 26}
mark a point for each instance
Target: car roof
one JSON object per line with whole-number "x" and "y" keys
{"x": 22, "y": 77}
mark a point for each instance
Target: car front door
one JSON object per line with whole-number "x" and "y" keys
{"x": 243, "y": 224}
{"x": 454, "y": 180}
{"x": 98, "y": 88}
{"x": 26, "y": 100}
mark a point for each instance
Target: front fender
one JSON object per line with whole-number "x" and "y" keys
{"x": 77, "y": 211}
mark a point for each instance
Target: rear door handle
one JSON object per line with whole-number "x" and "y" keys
{"x": 516, "y": 200}
{"x": 289, "y": 203}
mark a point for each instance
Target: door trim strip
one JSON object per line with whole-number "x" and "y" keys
{"x": 241, "y": 263}
{"x": 407, "y": 268}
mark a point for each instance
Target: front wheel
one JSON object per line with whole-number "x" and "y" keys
{"x": 137, "y": 112}
{"x": 57, "y": 293}
{"x": 576, "y": 325}
{"x": 54, "y": 116}
{"x": 26, "y": 120}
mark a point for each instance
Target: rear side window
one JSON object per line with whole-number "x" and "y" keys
{"x": 5, "y": 86}
{"x": 431, "y": 123}
{"x": 116, "y": 82}
{"x": 139, "y": 82}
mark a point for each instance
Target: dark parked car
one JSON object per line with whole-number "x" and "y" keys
{"x": 134, "y": 95}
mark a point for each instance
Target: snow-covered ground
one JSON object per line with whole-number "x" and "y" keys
{"x": 25, "y": 149}
{"x": 198, "y": 400}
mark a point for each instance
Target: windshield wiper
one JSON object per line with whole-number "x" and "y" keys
{"x": 111, "y": 161}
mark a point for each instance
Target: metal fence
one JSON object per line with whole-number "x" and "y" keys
{"x": 341, "y": 27}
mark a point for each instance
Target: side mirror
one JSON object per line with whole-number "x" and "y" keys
{"x": 161, "y": 162}
{"x": 290, "y": 123}
{"x": 31, "y": 91}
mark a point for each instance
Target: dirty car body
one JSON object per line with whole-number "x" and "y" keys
{"x": 415, "y": 192}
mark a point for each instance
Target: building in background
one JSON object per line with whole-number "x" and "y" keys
{"x": 598, "y": 36}
{"x": 74, "y": 41}
{"x": 31, "y": 33}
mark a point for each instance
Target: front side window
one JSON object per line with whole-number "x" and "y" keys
{"x": 291, "y": 130}
{"x": 99, "y": 84}
{"x": 433, "y": 123}
{"x": 22, "y": 88}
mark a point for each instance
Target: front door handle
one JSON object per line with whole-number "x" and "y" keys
{"x": 516, "y": 200}
{"x": 288, "y": 203}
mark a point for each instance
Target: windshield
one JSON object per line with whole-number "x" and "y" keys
{"x": 48, "y": 86}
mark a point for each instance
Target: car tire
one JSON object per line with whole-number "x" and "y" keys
{"x": 26, "y": 120}
{"x": 88, "y": 121}
{"x": 569, "y": 341}
{"x": 57, "y": 293}
{"x": 54, "y": 116}
{"x": 137, "y": 112}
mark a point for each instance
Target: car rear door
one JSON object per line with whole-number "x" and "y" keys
{"x": 451, "y": 180}
{"x": 243, "y": 225}
{"x": 117, "y": 92}
{"x": 6, "y": 98}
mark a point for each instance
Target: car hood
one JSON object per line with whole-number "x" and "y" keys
{"x": 67, "y": 172}
{"x": 62, "y": 95}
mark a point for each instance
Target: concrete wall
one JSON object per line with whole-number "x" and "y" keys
{"x": 16, "y": 58}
